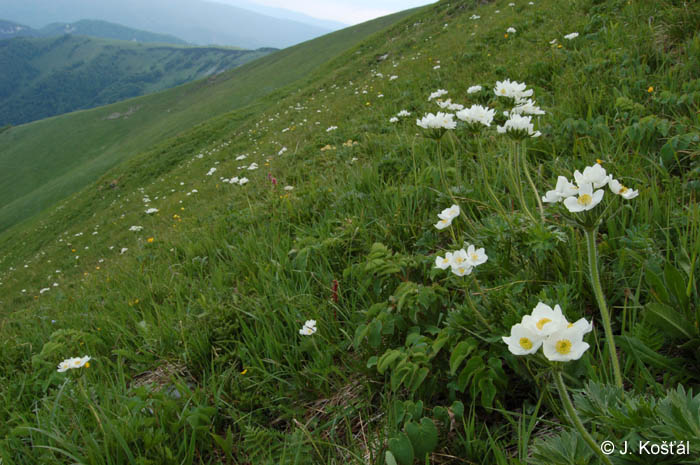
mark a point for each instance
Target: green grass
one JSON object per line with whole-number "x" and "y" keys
{"x": 63, "y": 154}
{"x": 197, "y": 356}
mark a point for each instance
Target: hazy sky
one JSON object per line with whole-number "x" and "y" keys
{"x": 345, "y": 11}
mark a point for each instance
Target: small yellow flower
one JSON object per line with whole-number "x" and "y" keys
{"x": 150, "y": 240}
{"x": 559, "y": 46}
{"x": 505, "y": 35}
{"x": 599, "y": 161}
{"x": 87, "y": 364}
{"x": 97, "y": 267}
{"x": 650, "y": 89}
{"x": 244, "y": 371}
{"x": 73, "y": 250}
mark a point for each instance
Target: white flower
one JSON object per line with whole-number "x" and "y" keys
{"x": 403, "y": 113}
{"x": 309, "y": 328}
{"x": 211, "y": 171}
{"x": 474, "y": 17}
{"x": 393, "y": 119}
{"x": 477, "y": 114}
{"x": 234, "y": 180}
{"x": 563, "y": 190}
{"x": 443, "y": 223}
{"x": 437, "y": 94}
{"x": 242, "y": 181}
{"x": 592, "y": 175}
{"x": 553, "y": 41}
{"x": 446, "y": 216}
{"x": 391, "y": 78}
{"x": 331, "y": 128}
{"x": 474, "y": 89}
{"x": 567, "y": 344}
{"x": 437, "y": 121}
{"x": 150, "y": 211}
{"x": 512, "y": 89}
{"x": 527, "y": 107}
{"x": 511, "y": 30}
{"x": 476, "y": 257}
{"x": 46, "y": 289}
{"x": 545, "y": 320}
{"x": 518, "y": 125}
{"x": 253, "y": 166}
{"x": 522, "y": 341}
{"x": 448, "y": 105}
{"x": 282, "y": 150}
{"x": 625, "y": 192}
{"x": 571, "y": 36}
{"x": 289, "y": 188}
{"x": 74, "y": 362}
{"x": 124, "y": 249}
{"x": 460, "y": 263}
{"x": 436, "y": 67}
{"x": 586, "y": 200}
{"x": 136, "y": 228}
{"x": 238, "y": 158}
{"x": 443, "y": 262}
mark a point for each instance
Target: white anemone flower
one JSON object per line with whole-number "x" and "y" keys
{"x": 476, "y": 257}
{"x": 449, "y": 213}
{"x": 527, "y": 107}
{"x": 571, "y": 36}
{"x": 437, "y": 94}
{"x": 403, "y": 113}
{"x": 73, "y": 362}
{"x": 445, "y": 262}
{"x": 136, "y": 228}
{"x": 564, "y": 189}
{"x": 512, "y": 89}
{"x": 586, "y": 199}
{"x": 477, "y": 114}
{"x": 309, "y": 328}
{"x": 393, "y": 119}
{"x": 443, "y": 223}
{"x": 460, "y": 263}
{"x": 474, "y": 89}
{"x": 242, "y": 181}
{"x": 518, "y": 126}
{"x": 625, "y": 192}
{"x": 448, "y": 105}
{"x": 595, "y": 175}
{"x": 522, "y": 341}
{"x": 511, "y": 30}
{"x": 545, "y": 320}
{"x": 438, "y": 121}
{"x": 567, "y": 343}
{"x": 150, "y": 211}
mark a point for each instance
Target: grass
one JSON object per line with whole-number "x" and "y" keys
{"x": 63, "y": 154}
{"x": 197, "y": 356}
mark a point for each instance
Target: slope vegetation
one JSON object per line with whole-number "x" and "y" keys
{"x": 268, "y": 286}
{"x": 46, "y": 160}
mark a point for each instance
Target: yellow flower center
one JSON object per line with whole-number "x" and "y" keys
{"x": 585, "y": 199}
{"x": 87, "y": 364}
{"x": 459, "y": 260}
{"x": 475, "y": 257}
{"x": 525, "y": 343}
{"x": 461, "y": 269}
{"x": 623, "y": 189}
{"x": 445, "y": 260}
{"x": 563, "y": 346}
{"x": 503, "y": 91}
{"x": 542, "y": 322}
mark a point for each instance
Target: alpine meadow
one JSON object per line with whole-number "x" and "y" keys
{"x": 462, "y": 234}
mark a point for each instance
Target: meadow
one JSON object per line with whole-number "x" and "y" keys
{"x": 363, "y": 267}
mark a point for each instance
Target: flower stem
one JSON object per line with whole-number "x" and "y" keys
{"x": 526, "y": 169}
{"x": 604, "y": 313}
{"x": 517, "y": 184}
{"x": 476, "y": 311}
{"x": 569, "y": 407}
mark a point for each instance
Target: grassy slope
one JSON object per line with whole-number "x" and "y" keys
{"x": 66, "y": 73}
{"x": 212, "y": 306}
{"x": 63, "y": 154}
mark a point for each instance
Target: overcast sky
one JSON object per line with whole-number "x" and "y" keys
{"x": 345, "y": 11}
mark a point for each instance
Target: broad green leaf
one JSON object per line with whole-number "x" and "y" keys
{"x": 672, "y": 322}
{"x": 424, "y": 437}
{"x": 387, "y": 359}
{"x": 375, "y": 333}
{"x": 460, "y": 352}
{"x": 400, "y": 446}
{"x": 389, "y": 458}
{"x": 417, "y": 379}
{"x": 676, "y": 285}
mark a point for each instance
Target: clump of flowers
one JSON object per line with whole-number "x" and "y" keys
{"x": 547, "y": 327}
{"x": 74, "y": 362}
{"x": 477, "y": 115}
{"x": 438, "y": 121}
{"x": 474, "y": 89}
{"x": 518, "y": 127}
{"x": 446, "y": 216}
{"x": 511, "y": 89}
{"x": 437, "y": 94}
{"x": 309, "y": 328}
{"x": 462, "y": 262}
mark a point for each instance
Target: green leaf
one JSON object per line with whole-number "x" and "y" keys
{"x": 473, "y": 366}
{"x": 460, "y": 352}
{"x": 389, "y": 458}
{"x": 375, "y": 333}
{"x": 417, "y": 379}
{"x": 672, "y": 322}
{"x": 488, "y": 390}
{"x": 657, "y": 285}
{"x": 424, "y": 437}
{"x": 676, "y": 285}
{"x": 644, "y": 354}
{"x": 457, "y": 408}
{"x": 387, "y": 359}
{"x": 360, "y": 334}
{"x": 400, "y": 446}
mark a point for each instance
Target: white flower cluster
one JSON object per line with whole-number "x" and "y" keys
{"x": 462, "y": 262}
{"x": 583, "y": 195}
{"x": 548, "y": 328}
{"x": 438, "y": 121}
{"x": 73, "y": 362}
{"x": 518, "y": 125}
{"x": 309, "y": 328}
{"x": 446, "y": 216}
{"x": 477, "y": 114}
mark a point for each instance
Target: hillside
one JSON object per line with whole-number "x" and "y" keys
{"x": 86, "y": 27}
{"x": 49, "y": 77}
{"x": 195, "y": 21}
{"x": 63, "y": 154}
{"x": 270, "y": 287}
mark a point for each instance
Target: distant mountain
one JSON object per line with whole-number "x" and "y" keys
{"x": 283, "y": 13}
{"x": 196, "y": 21}
{"x": 9, "y": 29}
{"x": 44, "y": 77}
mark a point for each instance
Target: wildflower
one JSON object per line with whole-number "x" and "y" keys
{"x": 136, "y": 228}
{"x": 437, "y": 94}
{"x": 474, "y": 17}
{"x": 448, "y": 105}
{"x": 150, "y": 240}
{"x": 476, "y": 114}
{"x": 446, "y": 216}
{"x": 438, "y": 121}
{"x": 211, "y": 171}
{"x": 391, "y": 78}
{"x": 124, "y": 249}
{"x": 309, "y": 328}
{"x": 650, "y": 89}
{"x": 567, "y": 344}
{"x": 518, "y": 126}
{"x": 288, "y": 188}
{"x": 331, "y": 128}
{"x": 571, "y": 36}
{"x": 443, "y": 262}
{"x": 242, "y": 181}
{"x": 527, "y": 107}
{"x": 403, "y": 113}
{"x": 393, "y": 119}
{"x": 46, "y": 289}
{"x": 151, "y": 211}
{"x": 476, "y": 257}
{"x": 238, "y": 158}
{"x": 625, "y": 192}
{"x": 545, "y": 320}
{"x": 473, "y": 89}
{"x": 512, "y": 89}
{"x": 586, "y": 200}
{"x": 436, "y": 67}
{"x": 553, "y": 41}
{"x": 563, "y": 190}
{"x": 74, "y": 362}
{"x": 595, "y": 175}
{"x": 511, "y": 30}
{"x": 282, "y": 150}
{"x": 522, "y": 341}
